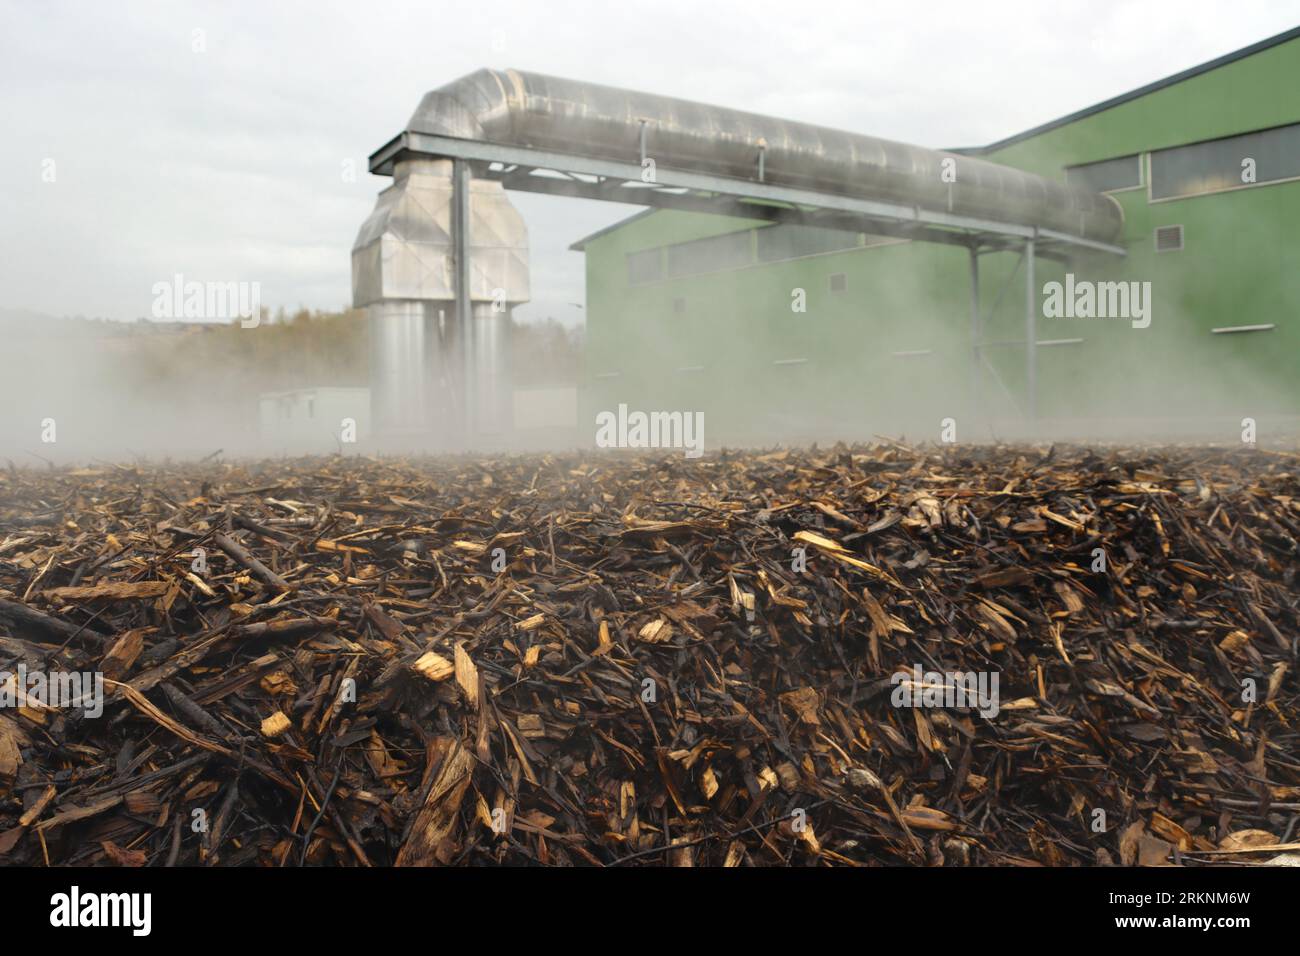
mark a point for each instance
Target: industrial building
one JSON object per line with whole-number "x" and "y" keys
{"x": 695, "y": 311}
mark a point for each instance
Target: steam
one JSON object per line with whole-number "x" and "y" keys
{"x": 76, "y": 391}
{"x": 893, "y": 353}
{"x": 890, "y": 355}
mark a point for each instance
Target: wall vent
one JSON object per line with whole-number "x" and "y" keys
{"x": 1169, "y": 239}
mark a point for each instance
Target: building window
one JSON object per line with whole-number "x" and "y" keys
{"x": 645, "y": 266}
{"x": 738, "y": 250}
{"x": 793, "y": 241}
{"x": 1109, "y": 175}
{"x": 839, "y": 282}
{"x": 1169, "y": 239}
{"x": 1266, "y": 156}
{"x": 731, "y": 250}
{"x": 679, "y": 306}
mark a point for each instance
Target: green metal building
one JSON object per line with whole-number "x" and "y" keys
{"x": 690, "y": 312}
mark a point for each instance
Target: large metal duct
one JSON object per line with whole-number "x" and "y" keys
{"x": 512, "y": 107}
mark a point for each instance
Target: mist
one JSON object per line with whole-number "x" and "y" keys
{"x": 231, "y": 145}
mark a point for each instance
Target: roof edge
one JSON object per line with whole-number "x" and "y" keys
{"x": 581, "y": 244}
{"x": 1206, "y": 67}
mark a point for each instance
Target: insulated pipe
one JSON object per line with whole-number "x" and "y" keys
{"x": 407, "y": 390}
{"x": 493, "y": 400}
{"x": 516, "y": 108}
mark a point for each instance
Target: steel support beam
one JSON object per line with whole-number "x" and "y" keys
{"x": 460, "y": 177}
{"x": 923, "y": 224}
{"x": 975, "y": 332}
{"x": 739, "y": 208}
{"x": 1031, "y": 335}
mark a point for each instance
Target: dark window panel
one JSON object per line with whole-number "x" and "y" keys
{"x": 791, "y": 241}
{"x": 1214, "y": 165}
{"x": 715, "y": 254}
{"x": 1107, "y": 175}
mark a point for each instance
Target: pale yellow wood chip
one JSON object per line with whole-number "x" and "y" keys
{"x": 656, "y": 632}
{"x": 275, "y": 725}
{"x": 467, "y": 675}
{"x": 433, "y": 667}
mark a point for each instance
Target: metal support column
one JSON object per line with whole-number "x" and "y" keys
{"x": 975, "y": 330}
{"x": 1031, "y": 334}
{"x": 460, "y": 177}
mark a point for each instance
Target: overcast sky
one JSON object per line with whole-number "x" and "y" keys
{"x": 227, "y": 163}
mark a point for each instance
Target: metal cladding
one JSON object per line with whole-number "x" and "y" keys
{"x": 411, "y": 391}
{"x": 404, "y": 248}
{"x": 512, "y": 107}
{"x": 423, "y": 378}
{"x": 493, "y": 397}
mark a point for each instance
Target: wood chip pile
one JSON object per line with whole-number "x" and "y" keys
{"x": 868, "y": 655}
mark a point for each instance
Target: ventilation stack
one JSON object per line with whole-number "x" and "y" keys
{"x": 439, "y": 266}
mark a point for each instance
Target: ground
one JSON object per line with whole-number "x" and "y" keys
{"x": 614, "y": 659}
